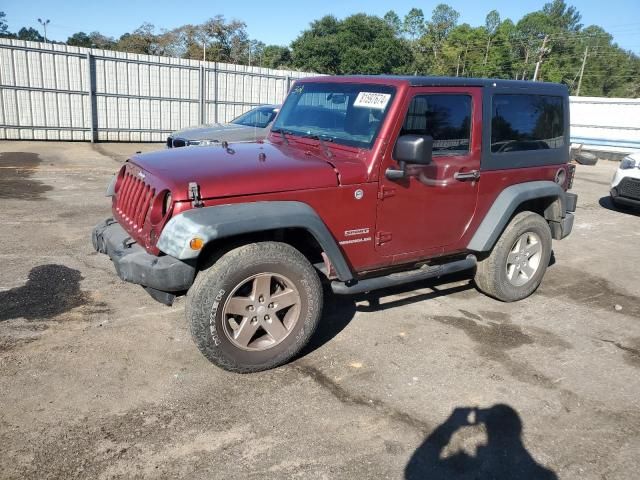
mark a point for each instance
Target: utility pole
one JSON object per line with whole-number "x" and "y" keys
{"x": 584, "y": 61}
{"x": 539, "y": 62}
{"x": 458, "y": 66}
{"x": 204, "y": 51}
{"x": 44, "y": 23}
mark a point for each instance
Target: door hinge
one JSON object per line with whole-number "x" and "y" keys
{"x": 386, "y": 192}
{"x": 383, "y": 237}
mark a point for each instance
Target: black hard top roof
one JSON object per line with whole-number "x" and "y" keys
{"x": 434, "y": 81}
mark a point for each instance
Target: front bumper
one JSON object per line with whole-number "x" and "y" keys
{"x": 162, "y": 276}
{"x": 627, "y": 191}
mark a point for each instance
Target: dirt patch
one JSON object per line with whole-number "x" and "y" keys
{"x": 589, "y": 290}
{"x": 16, "y": 170}
{"x": 348, "y": 398}
{"x": 631, "y": 350}
{"x": 51, "y": 290}
{"x": 495, "y": 335}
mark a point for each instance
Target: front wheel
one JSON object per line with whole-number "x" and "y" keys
{"x": 515, "y": 267}
{"x": 255, "y": 308}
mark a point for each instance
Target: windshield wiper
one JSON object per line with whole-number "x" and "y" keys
{"x": 315, "y": 136}
{"x": 321, "y": 140}
{"x": 282, "y": 134}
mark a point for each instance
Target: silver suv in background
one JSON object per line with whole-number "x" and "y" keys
{"x": 250, "y": 126}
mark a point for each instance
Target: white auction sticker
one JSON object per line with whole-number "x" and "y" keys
{"x": 372, "y": 100}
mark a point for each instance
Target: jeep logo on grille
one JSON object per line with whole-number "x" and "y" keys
{"x": 141, "y": 175}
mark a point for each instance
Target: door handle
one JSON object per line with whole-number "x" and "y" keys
{"x": 463, "y": 176}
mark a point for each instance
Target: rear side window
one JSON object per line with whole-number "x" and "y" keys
{"x": 447, "y": 118}
{"x": 526, "y": 122}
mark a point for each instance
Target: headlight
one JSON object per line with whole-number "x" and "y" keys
{"x": 628, "y": 162}
{"x": 166, "y": 204}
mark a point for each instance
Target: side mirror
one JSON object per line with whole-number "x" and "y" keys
{"x": 412, "y": 149}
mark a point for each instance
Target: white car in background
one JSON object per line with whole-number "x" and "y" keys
{"x": 625, "y": 187}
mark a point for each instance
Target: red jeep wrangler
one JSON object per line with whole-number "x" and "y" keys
{"x": 366, "y": 181}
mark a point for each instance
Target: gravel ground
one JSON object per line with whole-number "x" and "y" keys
{"x": 433, "y": 380}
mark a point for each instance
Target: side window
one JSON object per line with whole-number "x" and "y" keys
{"x": 526, "y": 122}
{"x": 447, "y": 118}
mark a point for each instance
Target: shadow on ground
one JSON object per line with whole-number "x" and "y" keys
{"x": 606, "y": 202}
{"x": 339, "y": 310}
{"x": 50, "y": 291}
{"x": 502, "y": 457}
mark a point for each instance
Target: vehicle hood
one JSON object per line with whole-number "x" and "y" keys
{"x": 241, "y": 169}
{"x": 229, "y": 132}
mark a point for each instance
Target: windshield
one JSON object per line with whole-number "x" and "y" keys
{"x": 349, "y": 114}
{"x": 259, "y": 117}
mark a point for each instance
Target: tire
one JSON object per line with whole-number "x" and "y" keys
{"x": 586, "y": 158}
{"x": 266, "y": 334}
{"x": 499, "y": 274}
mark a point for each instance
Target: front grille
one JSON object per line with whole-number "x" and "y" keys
{"x": 134, "y": 201}
{"x": 629, "y": 187}
{"x": 169, "y": 142}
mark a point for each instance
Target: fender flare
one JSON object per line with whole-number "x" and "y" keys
{"x": 212, "y": 223}
{"x": 506, "y": 204}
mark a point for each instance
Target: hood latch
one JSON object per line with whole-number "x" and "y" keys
{"x": 194, "y": 195}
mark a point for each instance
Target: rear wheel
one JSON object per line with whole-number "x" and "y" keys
{"x": 515, "y": 267}
{"x": 255, "y": 308}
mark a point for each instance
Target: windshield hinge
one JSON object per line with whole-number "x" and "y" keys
{"x": 194, "y": 195}
{"x": 383, "y": 237}
{"x": 386, "y": 192}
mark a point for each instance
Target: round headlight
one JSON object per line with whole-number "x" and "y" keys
{"x": 166, "y": 204}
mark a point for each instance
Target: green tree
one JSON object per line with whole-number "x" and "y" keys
{"x": 443, "y": 21}
{"x": 30, "y": 34}
{"x": 491, "y": 24}
{"x": 413, "y": 24}
{"x": 275, "y": 56}
{"x": 80, "y": 39}
{"x": 99, "y": 40}
{"x": 358, "y": 44}
{"x": 4, "y": 27}
{"x": 393, "y": 20}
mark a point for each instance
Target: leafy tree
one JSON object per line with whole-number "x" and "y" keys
{"x": 358, "y": 44}
{"x": 102, "y": 41}
{"x": 275, "y": 56}
{"x": 413, "y": 24}
{"x": 562, "y": 16}
{"x": 394, "y": 44}
{"x": 4, "y": 28}
{"x": 443, "y": 20}
{"x": 393, "y": 20}
{"x": 491, "y": 23}
{"x": 80, "y": 39}
{"x": 30, "y": 34}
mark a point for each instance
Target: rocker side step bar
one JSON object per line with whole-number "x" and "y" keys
{"x": 401, "y": 278}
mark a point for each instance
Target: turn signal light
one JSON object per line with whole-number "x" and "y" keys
{"x": 196, "y": 243}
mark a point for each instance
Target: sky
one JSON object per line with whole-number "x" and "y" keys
{"x": 279, "y": 22}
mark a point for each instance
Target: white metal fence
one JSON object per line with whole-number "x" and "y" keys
{"x": 59, "y": 92}
{"x": 607, "y": 124}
